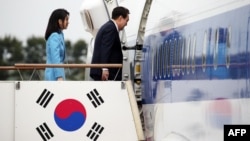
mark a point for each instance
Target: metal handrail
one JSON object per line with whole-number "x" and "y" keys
{"x": 22, "y": 66}
{"x": 35, "y": 67}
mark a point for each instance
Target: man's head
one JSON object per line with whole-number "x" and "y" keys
{"x": 121, "y": 16}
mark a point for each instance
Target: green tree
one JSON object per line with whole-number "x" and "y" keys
{"x": 77, "y": 55}
{"x": 11, "y": 51}
{"x": 80, "y": 51}
{"x": 35, "y": 50}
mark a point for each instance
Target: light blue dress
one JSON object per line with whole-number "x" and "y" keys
{"x": 55, "y": 54}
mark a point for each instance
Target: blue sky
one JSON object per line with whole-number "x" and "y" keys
{"x": 26, "y": 18}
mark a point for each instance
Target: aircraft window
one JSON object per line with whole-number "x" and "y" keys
{"x": 204, "y": 52}
{"x": 88, "y": 19}
{"x": 151, "y": 63}
{"x": 165, "y": 59}
{"x": 193, "y": 53}
{"x": 175, "y": 53}
{"x": 151, "y": 53}
{"x": 188, "y": 60}
{"x": 215, "y": 53}
{"x": 160, "y": 60}
{"x": 179, "y": 49}
{"x": 155, "y": 56}
{"x": 169, "y": 56}
{"x": 175, "y": 57}
{"x": 183, "y": 56}
{"x": 228, "y": 43}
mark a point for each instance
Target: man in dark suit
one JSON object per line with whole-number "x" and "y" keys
{"x": 107, "y": 47}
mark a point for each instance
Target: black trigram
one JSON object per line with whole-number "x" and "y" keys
{"x": 95, "y": 98}
{"x": 95, "y": 131}
{"x": 44, "y": 98}
{"x": 44, "y": 132}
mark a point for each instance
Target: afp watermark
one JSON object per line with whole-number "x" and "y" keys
{"x": 237, "y": 132}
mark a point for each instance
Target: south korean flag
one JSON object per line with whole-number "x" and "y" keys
{"x": 73, "y": 110}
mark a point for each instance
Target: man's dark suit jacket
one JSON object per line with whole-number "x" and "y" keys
{"x": 107, "y": 50}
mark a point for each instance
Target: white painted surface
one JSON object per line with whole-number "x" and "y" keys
{"x": 19, "y": 122}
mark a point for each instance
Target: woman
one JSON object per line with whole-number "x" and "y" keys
{"x": 55, "y": 46}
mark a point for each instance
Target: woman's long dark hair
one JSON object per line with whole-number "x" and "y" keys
{"x": 53, "y": 25}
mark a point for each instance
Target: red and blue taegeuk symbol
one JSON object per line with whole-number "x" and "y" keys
{"x": 70, "y": 115}
{"x": 220, "y": 112}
